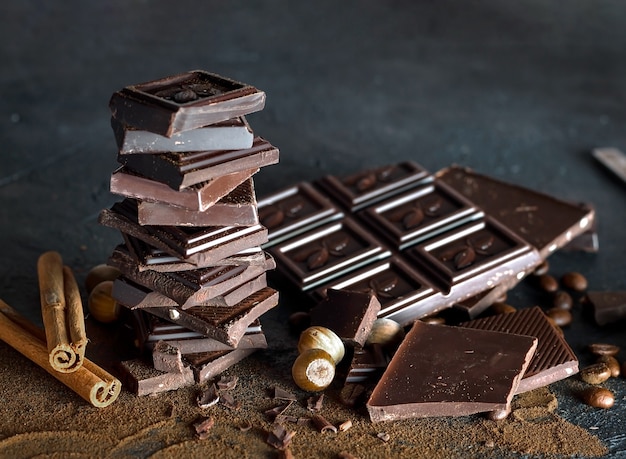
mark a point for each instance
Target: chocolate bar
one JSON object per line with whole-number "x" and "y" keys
{"x": 367, "y": 187}
{"x": 185, "y": 290}
{"x": 198, "y": 197}
{"x": 200, "y": 246}
{"x": 225, "y": 324}
{"x": 606, "y": 307}
{"x": 142, "y": 379}
{"x": 237, "y": 208}
{"x": 183, "y": 102}
{"x": 232, "y": 134}
{"x": 208, "y": 365}
{"x": 440, "y": 370}
{"x": 544, "y": 222}
{"x": 182, "y": 170}
{"x": 553, "y": 360}
{"x": 327, "y": 252}
{"x": 350, "y": 314}
{"x": 295, "y": 210}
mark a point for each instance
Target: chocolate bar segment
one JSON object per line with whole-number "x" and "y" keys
{"x": 183, "y": 102}
{"x": 554, "y": 359}
{"x": 367, "y": 187}
{"x": 544, "y": 222}
{"x": 232, "y": 134}
{"x": 295, "y": 210}
{"x": 440, "y": 370}
{"x": 198, "y": 197}
{"x": 327, "y": 252}
{"x": 182, "y": 170}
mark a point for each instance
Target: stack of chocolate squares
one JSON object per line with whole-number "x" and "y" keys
{"x": 193, "y": 271}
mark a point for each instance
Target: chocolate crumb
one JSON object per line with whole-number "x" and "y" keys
{"x": 315, "y": 404}
{"x": 229, "y": 401}
{"x": 345, "y": 425}
{"x": 384, "y": 436}
{"x": 245, "y": 426}
{"x": 209, "y": 397}
{"x": 203, "y": 426}
{"x": 227, "y": 382}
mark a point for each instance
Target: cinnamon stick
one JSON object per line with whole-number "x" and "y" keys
{"x": 74, "y": 317}
{"x": 90, "y": 381}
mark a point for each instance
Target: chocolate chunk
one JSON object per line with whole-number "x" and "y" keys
{"x": 350, "y": 314}
{"x": 295, "y": 210}
{"x": 182, "y": 170}
{"x": 232, "y": 134}
{"x": 440, "y": 370}
{"x": 208, "y": 365}
{"x": 367, "y": 365}
{"x": 607, "y": 307}
{"x": 168, "y": 358}
{"x": 554, "y": 359}
{"x": 183, "y": 102}
{"x": 142, "y": 379}
{"x": 198, "y": 197}
{"x": 367, "y": 187}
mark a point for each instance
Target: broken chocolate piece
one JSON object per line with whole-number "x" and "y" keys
{"x": 209, "y": 397}
{"x": 208, "y": 365}
{"x": 167, "y": 358}
{"x": 203, "y": 426}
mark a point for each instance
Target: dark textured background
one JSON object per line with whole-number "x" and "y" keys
{"x": 520, "y": 91}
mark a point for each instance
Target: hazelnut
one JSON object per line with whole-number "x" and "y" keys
{"x": 101, "y": 304}
{"x": 323, "y": 338}
{"x": 313, "y": 370}
{"x": 100, "y": 273}
{"x": 385, "y": 332}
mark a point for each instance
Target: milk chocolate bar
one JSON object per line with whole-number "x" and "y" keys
{"x": 198, "y": 197}
{"x": 544, "y": 222}
{"x": 200, "y": 246}
{"x": 553, "y": 360}
{"x": 182, "y": 170}
{"x": 142, "y": 379}
{"x": 327, "y": 252}
{"x": 232, "y": 134}
{"x": 184, "y": 289}
{"x": 295, "y": 210}
{"x": 225, "y": 324}
{"x": 237, "y": 208}
{"x": 183, "y": 102}
{"x": 367, "y": 187}
{"x": 440, "y": 370}
{"x": 420, "y": 214}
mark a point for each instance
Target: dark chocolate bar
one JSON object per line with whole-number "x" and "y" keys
{"x": 440, "y": 370}
{"x": 237, "y": 208}
{"x": 142, "y": 378}
{"x": 327, "y": 252}
{"x": 183, "y": 102}
{"x": 197, "y": 197}
{"x": 232, "y": 134}
{"x": 182, "y": 170}
{"x": 295, "y": 210}
{"x": 553, "y": 360}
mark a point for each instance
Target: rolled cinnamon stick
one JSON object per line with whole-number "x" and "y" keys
{"x": 90, "y": 381}
{"x": 74, "y": 317}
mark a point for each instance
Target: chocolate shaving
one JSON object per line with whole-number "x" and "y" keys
{"x": 245, "y": 426}
{"x": 282, "y": 394}
{"x": 345, "y": 425}
{"x": 273, "y": 413}
{"x": 208, "y": 397}
{"x": 229, "y": 401}
{"x": 279, "y": 437}
{"x": 322, "y": 424}
{"x": 203, "y": 426}
{"x": 384, "y": 436}
{"x": 314, "y": 404}
{"x": 227, "y": 382}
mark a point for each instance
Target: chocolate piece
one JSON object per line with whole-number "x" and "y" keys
{"x": 350, "y": 314}
{"x": 182, "y": 170}
{"x": 440, "y": 370}
{"x": 472, "y": 307}
{"x": 544, "y": 222}
{"x": 237, "y": 208}
{"x": 364, "y": 188}
{"x": 367, "y": 365}
{"x": 404, "y": 294}
{"x": 135, "y": 296}
{"x": 202, "y": 246}
{"x": 225, "y": 324}
{"x": 209, "y": 397}
{"x": 607, "y": 307}
{"x": 295, "y": 210}
{"x": 327, "y": 252}
{"x": 207, "y": 365}
{"x": 167, "y": 358}
{"x": 613, "y": 159}
{"x": 420, "y": 214}
{"x": 183, "y": 102}
{"x": 554, "y": 359}
{"x": 232, "y": 134}
{"x": 585, "y": 242}
{"x": 197, "y": 197}
{"x": 142, "y": 379}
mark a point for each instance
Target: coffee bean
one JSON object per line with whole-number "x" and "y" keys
{"x": 501, "y": 308}
{"x": 595, "y": 373}
{"x": 548, "y": 283}
{"x": 612, "y": 363}
{"x": 542, "y": 269}
{"x": 598, "y": 397}
{"x": 604, "y": 349}
{"x": 561, "y": 317}
{"x": 562, "y": 300}
{"x": 575, "y": 281}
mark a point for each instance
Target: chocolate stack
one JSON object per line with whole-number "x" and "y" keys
{"x": 193, "y": 271}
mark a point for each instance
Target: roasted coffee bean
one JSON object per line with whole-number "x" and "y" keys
{"x": 598, "y": 397}
{"x": 562, "y": 300}
{"x": 501, "y": 308}
{"x": 542, "y": 269}
{"x": 595, "y": 373}
{"x": 604, "y": 349}
{"x": 612, "y": 363}
{"x": 575, "y": 281}
{"x": 548, "y": 283}
{"x": 561, "y": 317}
